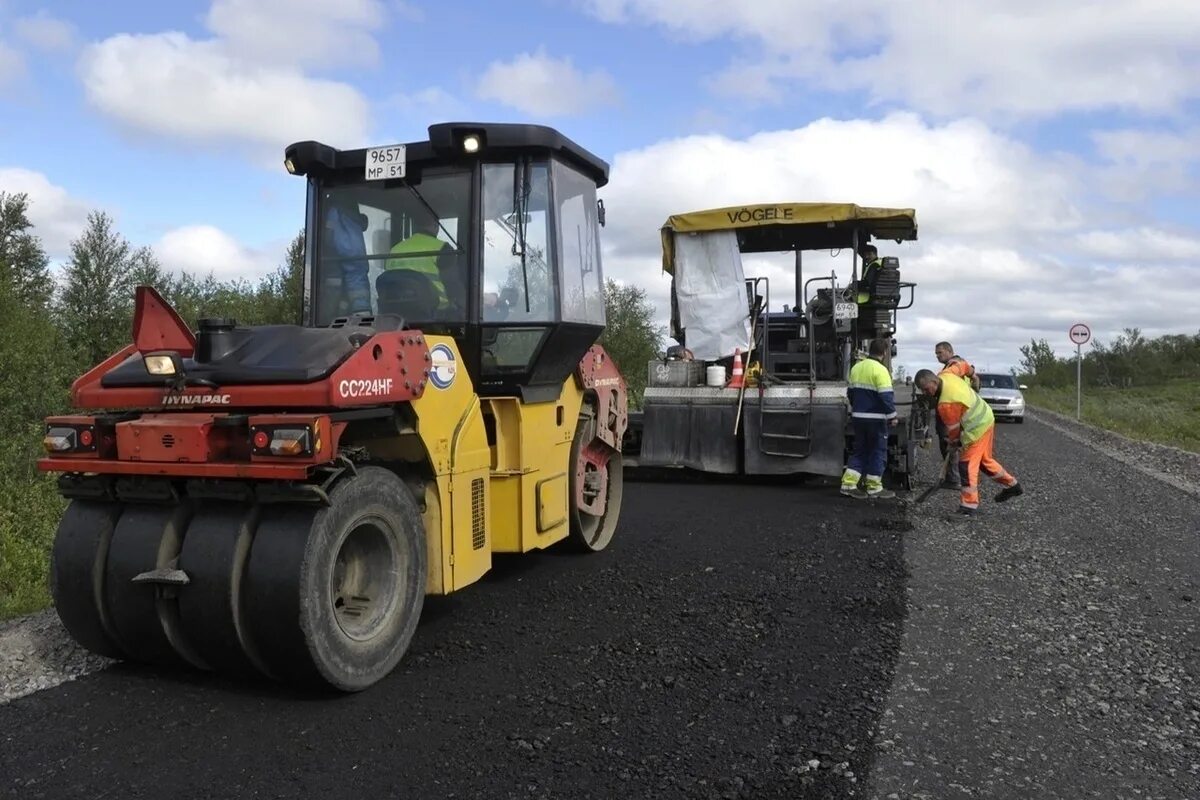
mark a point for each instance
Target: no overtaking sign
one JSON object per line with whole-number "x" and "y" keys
{"x": 1080, "y": 335}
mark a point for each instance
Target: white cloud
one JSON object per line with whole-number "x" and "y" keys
{"x": 540, "y": 85}
{"x": 1024, "y": 58}
{"x": 170, "y": 85}
{"x": 1006, "y": 253}
{"x": 57, "y": 217}
{"x": 1140, "y": 163}
{"x": 46, "y": 32}
{"x": 295, "y": 32}
{"x": 968, "y": 178}
{"x": 1142, "y": 245}
{"x": 249, "y": 83}
{"x": 204, "y": 249}
{"x": 1148, "y": 148}
{"x": 12, "y": 65}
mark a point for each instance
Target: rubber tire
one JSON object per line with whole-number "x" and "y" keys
{"x": 586, "y": 535}
{"x": 146, "y": 538}
{"x": 288, "y": 577}
{"x": 214, "y": 556}
{"x": 77, "y": 566}
{"x": 1020, "y": 420}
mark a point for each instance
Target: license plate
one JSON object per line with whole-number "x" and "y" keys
{"x": 385, "y": 163}
{"x": 845, "y": 311}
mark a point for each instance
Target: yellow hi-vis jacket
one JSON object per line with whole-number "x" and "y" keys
{"x": 429, "y": 247}
{"x": 966, "y": 415}
{"x": 864, "y": 296}
{"x": 871, "y": 393}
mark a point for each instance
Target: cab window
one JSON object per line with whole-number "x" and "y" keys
{"x": 512, "y": 212}
{"x": 578, "y": 246}
{"x": 395, "y": 248}
{"x": 520, "y": 300}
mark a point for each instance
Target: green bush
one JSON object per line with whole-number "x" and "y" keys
{"x": 30, "y": 508}
{"x": 1168, "y": 413}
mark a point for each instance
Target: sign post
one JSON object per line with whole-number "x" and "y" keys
{"x": 1080, "y": 334}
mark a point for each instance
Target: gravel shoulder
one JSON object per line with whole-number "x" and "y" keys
{"x": 1171, "y": 465}
{"x": 1052, "y": 644}
{"x": 37, "y": 654}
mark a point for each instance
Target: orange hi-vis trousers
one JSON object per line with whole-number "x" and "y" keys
{"x": 976, "y": 456}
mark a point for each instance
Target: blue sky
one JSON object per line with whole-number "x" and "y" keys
{"x": 1052, "y": 163}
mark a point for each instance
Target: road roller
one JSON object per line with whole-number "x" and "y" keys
{"x": 278, "y": 500}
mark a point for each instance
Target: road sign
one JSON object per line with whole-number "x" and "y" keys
{"x": 1080, "y": 334}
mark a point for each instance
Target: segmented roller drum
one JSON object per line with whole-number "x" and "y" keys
{"x": 593, "y": 532}
{"x": 77, "y": 574}
{"x": 314, "y": 594}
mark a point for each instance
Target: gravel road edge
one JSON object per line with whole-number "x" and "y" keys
{"x": 37, "y": 653}
{"x": 1171, "y": 465}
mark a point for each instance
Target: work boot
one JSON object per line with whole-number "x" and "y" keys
{"x": 1009, "y": 492}
{"x": 963, "y": 514}
{"x": 850, "y": 479}
{"x": 875, "y": 488}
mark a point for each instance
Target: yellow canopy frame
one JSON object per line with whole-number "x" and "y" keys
{"x": 779, "y": 227}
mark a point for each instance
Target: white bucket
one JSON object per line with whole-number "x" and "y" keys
{"x": 715, "y": 375}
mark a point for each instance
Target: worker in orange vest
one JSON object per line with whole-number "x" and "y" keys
{"x": 971, "y": 429}
{"x": 952, "y": 364}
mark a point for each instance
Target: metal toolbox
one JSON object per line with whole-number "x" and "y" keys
{"x": 674, "y": 373}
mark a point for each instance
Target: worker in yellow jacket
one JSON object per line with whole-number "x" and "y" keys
{"x": 425, "y": 253}
{"x": 872, "y": 414}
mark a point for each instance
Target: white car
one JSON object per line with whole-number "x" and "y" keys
{"x": 1003, "y": 394}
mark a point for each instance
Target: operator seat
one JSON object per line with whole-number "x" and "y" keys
{"x": 876, "y": 313}
{"x": 407, "y": 293}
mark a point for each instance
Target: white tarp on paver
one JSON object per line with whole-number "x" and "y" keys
{"x": 711, "y": 291}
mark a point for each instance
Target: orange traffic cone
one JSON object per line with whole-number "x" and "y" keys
{"x": 736, "y": 382}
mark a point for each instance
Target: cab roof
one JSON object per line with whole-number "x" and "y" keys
{"x": 444, "y": 143}
{"x": 776, "y": 227}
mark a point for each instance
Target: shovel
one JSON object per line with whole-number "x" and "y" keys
{"x": 945, "y": 466}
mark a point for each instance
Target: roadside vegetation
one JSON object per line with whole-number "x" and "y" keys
{"x": 55, "y": 324}
{"x": 1147, "y": 389}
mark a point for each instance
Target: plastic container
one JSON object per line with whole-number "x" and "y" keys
{"x": 715, "y": 375}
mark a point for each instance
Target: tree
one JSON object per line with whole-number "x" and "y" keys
{"x": 35, "y": 380}
{"x": 278, "y": 296}
{"x": 36, "y": 376}
{"x": 23, "y": 263}
{"x": 1037, "y": 357}
{"x": 96, "y": 302}
{"x": 630, "y": 336}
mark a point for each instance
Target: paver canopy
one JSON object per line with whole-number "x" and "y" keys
{"x": 778, "y": 227}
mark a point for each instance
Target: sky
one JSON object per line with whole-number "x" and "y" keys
{"x": 1051, "y": 148}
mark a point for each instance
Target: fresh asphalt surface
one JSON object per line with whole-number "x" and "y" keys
{"x": 734, "y": 641}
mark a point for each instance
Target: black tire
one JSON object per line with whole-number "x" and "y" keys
{"x": 211, "y": 609}
{"x": 144, "y": 618}
{"x": 334, "y": 593}
{"x": 1020, "y": 420}
{"x": 77, "y": 565}
{"x": 589, "y": 532}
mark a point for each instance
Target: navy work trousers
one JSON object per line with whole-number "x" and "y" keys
{"x": 870, "y": 446}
